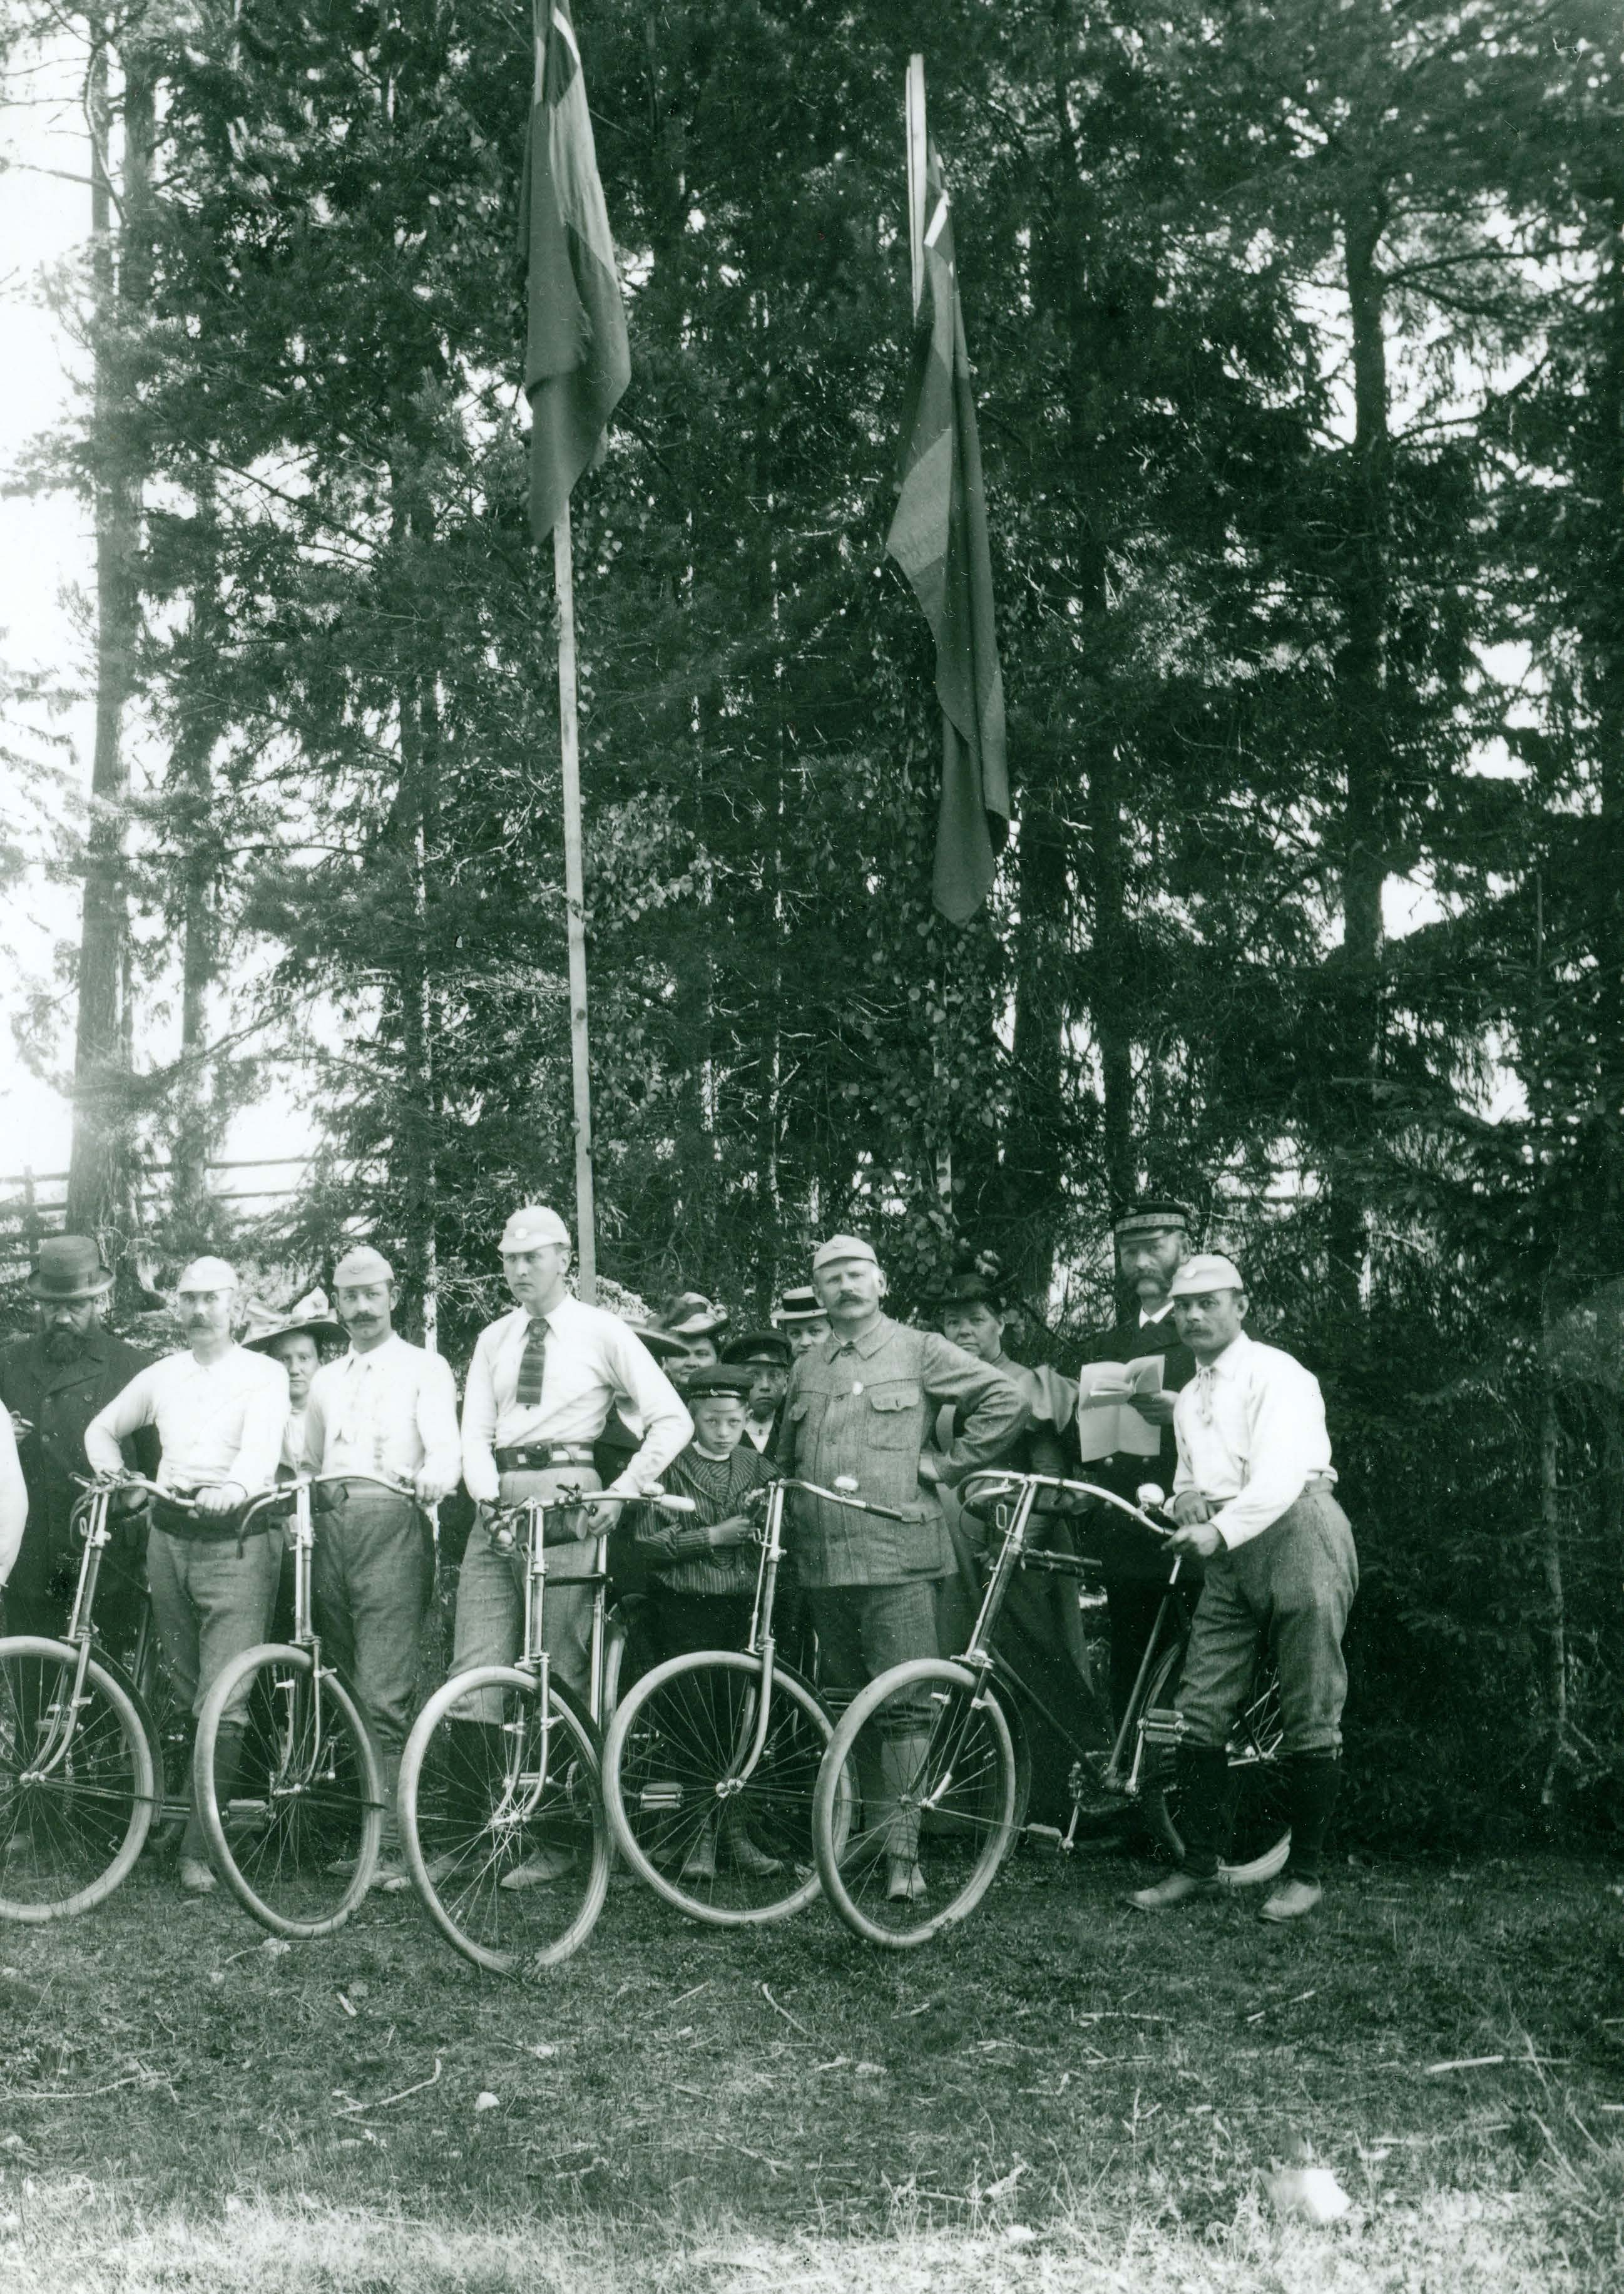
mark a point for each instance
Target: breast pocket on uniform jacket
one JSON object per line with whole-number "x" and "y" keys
{"x": 895, "y": 1423}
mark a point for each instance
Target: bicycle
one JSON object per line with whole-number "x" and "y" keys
{"x": 288, "y": 1779}
{"x": 711, "y": 1761}
{"x": 502, "y": 1807}
{"x": 951, "y": 1734}
{"x": 82, "y": 1757}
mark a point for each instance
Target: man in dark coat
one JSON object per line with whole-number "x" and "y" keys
{"x": 1152, "y": 1242}
{"x": 54, "y": 1382}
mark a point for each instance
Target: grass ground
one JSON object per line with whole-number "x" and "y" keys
{"x": 1062, "y": 2095}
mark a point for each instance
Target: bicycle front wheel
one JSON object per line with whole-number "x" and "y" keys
{"x": 927, "y": 1749}
{"x": 79, "y": 1783}
{"x": 1260, "y": 1829}
{"x": 289, "y": 1789}
{"x": 720, "y": 1831}
{"x": 502, "y": 1820}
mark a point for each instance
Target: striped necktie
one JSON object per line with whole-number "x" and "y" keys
{"x": 532, "y": 1362}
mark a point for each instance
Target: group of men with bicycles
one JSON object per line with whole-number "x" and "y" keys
{"x": 840, "y": 1396}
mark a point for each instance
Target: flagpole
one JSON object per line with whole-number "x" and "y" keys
{"x": 574, "y": 895}
{"x": 942, "y": 1155}
{"x": 916, "y": 174}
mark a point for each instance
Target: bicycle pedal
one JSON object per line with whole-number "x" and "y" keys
{"x": 1161, "y": 1725}
{"x": 658, "y": 1799}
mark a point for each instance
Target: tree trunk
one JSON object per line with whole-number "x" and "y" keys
{"x": 1361, "y": 680}
{"x": 1109, "y": 997}
{"x": 100, "y": 1190}
{"x": 1033, "y": 1164}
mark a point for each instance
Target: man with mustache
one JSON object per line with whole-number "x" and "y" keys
{"x": 53, "y": 1382}
{"x": 861, "y": 1403}
{"x": 219, "y": 1410}
{"x": 389, "y": 1408}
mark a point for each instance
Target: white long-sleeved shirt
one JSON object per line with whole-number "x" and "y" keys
{"x": 594, "y": 1361}
{"x": 220, "y": 1422}
{"x": 1251, "y": 1430}
{"x": 14, "y": 1498}
{"x": 392, "y": 1410}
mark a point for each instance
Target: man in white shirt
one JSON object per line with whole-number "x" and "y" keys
{"x": 14, "y": 1499}
{"x": 1253, "y": 1496}
{"x": 390, "y": 1408}
{"x": 543, "y": 1383}
{"x": 220, "y": 1412}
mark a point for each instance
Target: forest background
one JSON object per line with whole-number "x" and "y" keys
{"x": 1299, "y": 335}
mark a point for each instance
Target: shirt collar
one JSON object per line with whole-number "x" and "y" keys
{"x": 1148, "y": 1322}
{"x": 1233, "y": 1359}
{"x": 869, "y": 1343}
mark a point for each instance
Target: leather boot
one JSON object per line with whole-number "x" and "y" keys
{"x": 1204, "y": 1812}
{"x": 1312, "y": 1782}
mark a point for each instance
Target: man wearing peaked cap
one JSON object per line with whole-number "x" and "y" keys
{"x": 219, "y": 1410}
{"x": 766, "y": 1356}
{"x": 53, "y": 1382}
{"x": 1152, "y": 1240}
{"x": 542, "y": 1386}
{"x": 1254, "y": 1497}
{"x": 384, "y": 1408}
{"x": 862, "y": 1405}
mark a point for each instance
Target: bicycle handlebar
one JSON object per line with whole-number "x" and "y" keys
{"x": 575, "y": 1499}
{"x": 997, "y": 1475}
{"x": 837, "y": 1496}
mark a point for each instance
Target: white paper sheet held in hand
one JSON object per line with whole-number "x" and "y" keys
{"x": 1107, "y": 1425}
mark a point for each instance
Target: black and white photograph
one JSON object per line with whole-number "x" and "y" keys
{"x": 812, "y": 1147}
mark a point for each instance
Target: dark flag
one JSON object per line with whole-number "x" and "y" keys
{"x": 939, "y": 538}
{"x": 576, "y": 362}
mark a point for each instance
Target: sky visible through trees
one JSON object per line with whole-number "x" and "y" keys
{"x": 1299, "y": 338}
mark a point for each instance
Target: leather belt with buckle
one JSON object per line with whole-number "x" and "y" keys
{"x": 541, "y": 1456}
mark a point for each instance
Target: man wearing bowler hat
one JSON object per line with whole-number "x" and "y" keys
{"x": 542, "y": 1386}
{"x": 53, "y": 1382}
{"x": 388, "y": 1408}
{"x": 861, "y": 1404}
{"x": 220, "y": 1412}
{"x": 1254, "y": 1499}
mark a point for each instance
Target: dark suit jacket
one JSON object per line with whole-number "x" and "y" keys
{"x": 60, "y": 1399}
{"x": 1125, "y": 1549}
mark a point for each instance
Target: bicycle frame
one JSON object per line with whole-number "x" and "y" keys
{"x": 762, "y": 1643}
{"x": 534, "y": 1658}
{"x": 1121, "y": 1772}
{"x": 80, "y": 1633}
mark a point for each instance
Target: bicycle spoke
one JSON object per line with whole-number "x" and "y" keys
{"x": 75, "y": 1785}
{"x": 933, "y": 1765}
{"x": 508, "y": 1822}
{"x": 296, "y": 1804}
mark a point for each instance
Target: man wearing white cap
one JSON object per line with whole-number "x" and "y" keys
{"x": 862, "y": 1404}
{"x": 219, "y": 1410}
{"x": 1253, "y": 1496}
{"x": 386, "y": 1407}
{"x": 543, "y": 1383}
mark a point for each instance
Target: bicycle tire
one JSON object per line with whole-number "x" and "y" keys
{"x": 307, "y": 1807}
{"x": 461, "y": 1850}
{"x": 671, "y": 1748}
{"x": 1259, "y": 1830}
{"x": 67, "y": 1838}
{"x": 965, "y": 1778}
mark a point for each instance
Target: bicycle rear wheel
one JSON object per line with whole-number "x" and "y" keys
{"x": 732, "y": 1849}
{"x": 1260, "y": 1833}
{"x": 79, "y": 1783}
{"x": 289, "y": 1790}
{"x": 928, "y": 1750}
{"x": 502, "y": 1818}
